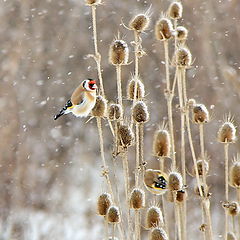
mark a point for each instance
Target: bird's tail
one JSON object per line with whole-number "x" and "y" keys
{"x": 59, "y": 114}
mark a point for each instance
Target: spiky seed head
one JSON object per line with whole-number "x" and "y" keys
{"x": 125, "y": 135}
{"x": 140, "y": 112}
{"x": 154, "y": 217}
{"x": 233, "y": 208}
{"x": 235, "y": 174}
{"x": 231, "y": 236}
{"x": 93, "y": 2}
{"x": 114, "y": 112}
{"x": 103, "y": 203}
{"x": 200, "y": 164}
{"x": 100, "y": 107}
{"x": 200, "y": 114}
{"x": 181, "y": 33}
{"x": 175, "y": 181}
{"x": 161, "y": 143}
{"x": 163, "y": 29}
{"x": 131, "y": 89}
{"x": 137, "y": 199}
{"x": 175, "y": 10}
{"x": 113, "y": 215}
{"x": 118, "y": 53}
{"x": 181, "y": 195}
{"x": 191, "y": 102}
{"x": 227, "y": 133}
{"x": 183, "y": 57}
{"x": 158, "y": 234}
{"x": 139, "y": 22}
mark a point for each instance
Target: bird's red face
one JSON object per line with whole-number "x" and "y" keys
{"x": 90, "y": 85}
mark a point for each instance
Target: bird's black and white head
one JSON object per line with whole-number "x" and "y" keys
{"x": 89, "y": 85}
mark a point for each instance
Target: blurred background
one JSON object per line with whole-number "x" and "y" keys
{"x": 50, "y": 171}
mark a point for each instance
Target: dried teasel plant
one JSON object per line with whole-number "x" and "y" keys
{"x": 154, "y": 217}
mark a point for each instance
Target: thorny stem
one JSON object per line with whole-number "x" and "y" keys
{"x": 119, "y": 84}
{"x": 106, "y": 227}
{"x": 178, "y": 219}
{"x": 165, "y": 215}
{"x": 105, "y": 167}
{"x": 226, "y": 147}
{"x": 97, "y": 54}
{"x": 137, "y": 155}
{"x": 169, "y": 97}
{"x": 206, "y": 203}
{"x": 137, "y": 224}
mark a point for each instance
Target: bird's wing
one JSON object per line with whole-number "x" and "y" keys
{"x": 77, "y": 96}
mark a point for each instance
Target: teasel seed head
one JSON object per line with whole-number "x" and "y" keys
{"x": 227, "y": 133}
{"x": 103, "y": 203}
{"x": 115, "y": 112}
{"x": 233, "y": 208}
{"x": 137, "y": 199}
{"x": 154, "y": 217}
{"x": 200, "y": 164}
{"x": 231, "y": 236}
{"x": 113, "y": 215}
{"x": 118, "y": 53}
{"x": 125, "y": 135}
{"x": 175, "y": 10}
{"x": 140, "y": 112}
{"x": 183, "y": 57}
{"x": 139, "y": 22}
{"x": 100, "y": 107}
{"x": 158, "y": 234}
{"x": 93, "y": 2}
{"x": 161, "y": 143}
{"x": 175, "y": 181}
{"x": 170, "y": 196}
{"x": 181, "y": 33}
{"x": 181, "y": 195}
{"x": 235, "y": 173}
{"x": 131, "y": 89}
{"x": 200, "y": 114}
{"x": 163, "y": 29}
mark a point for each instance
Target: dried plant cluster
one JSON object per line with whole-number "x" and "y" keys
{"x": 166, "y": 185}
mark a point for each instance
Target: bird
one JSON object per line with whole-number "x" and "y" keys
{"x": 82, "y": 101}
{"x": 155, "y": 181}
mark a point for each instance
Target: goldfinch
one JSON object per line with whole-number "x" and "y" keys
{"x": 82, "y": 100}
{"x": 156, "y": 181}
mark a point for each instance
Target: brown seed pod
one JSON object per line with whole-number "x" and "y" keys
{"x": 113, "y": 215}
{"x": 154, "y": 217}
{"x": 140, "y": 112}
{"x": 139, "y": 22}
{"x": 114, "y": 112}
{"x": 235, "y": 174}
{"x": 200, "y": 113}
{"x": 161, "y": 143}
{"x": 200, "y": 164}
{"x": 131, "y": 89}
{"x": 175, "y": 181}
{"x": 137, "y": 199}
{"x": 103, "y": 203}
{"x": 175, "y": 10}
{"x": 183, "y": 57}
{"x": 100, "y": 107}
{"x": 163, "y": 29}
{"x": 227, "y": 133}
{"x": 158, "y": 234}
{"x": 181, "y": 195}
{"x": 234, "y": 208}
{"x": 207, "y": 193}
{"x": 231, "y": 236}
{"x": 93, "y": 2}
{"x": 125, "y": 135}
{"x": 118, "y": 53}
{"x": 181, "y": 33}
